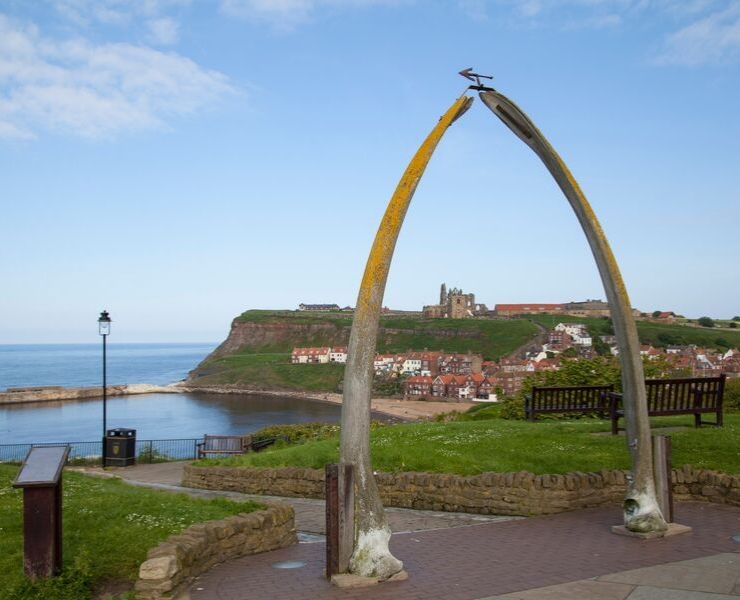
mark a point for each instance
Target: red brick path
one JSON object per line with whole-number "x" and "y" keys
{"x": 483, "y": 560}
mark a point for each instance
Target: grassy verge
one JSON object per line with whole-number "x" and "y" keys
{"x": 108, "y": 528}
{"x": 492, "y": 444}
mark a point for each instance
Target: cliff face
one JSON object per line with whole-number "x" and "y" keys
{"x": 282, "y": 336}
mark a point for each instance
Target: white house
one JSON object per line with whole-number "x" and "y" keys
{"x": 338, "y": 355}
{"x": 384, "y": 362}
{"x": 411, "y": 365}
{"x": 577, "y": 332}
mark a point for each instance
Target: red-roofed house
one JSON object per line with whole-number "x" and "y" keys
{"x": 338, "y": 355}
{"x": 417, "y": 386}
{"x": 509, "y": 310}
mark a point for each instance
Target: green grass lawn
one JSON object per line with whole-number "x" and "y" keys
{"x": 108, "y": 528}
{"x": 476, "y": 446}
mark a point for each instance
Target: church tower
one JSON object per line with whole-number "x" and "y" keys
{"x": 443, "y": 295}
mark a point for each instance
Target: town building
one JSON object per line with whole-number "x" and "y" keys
{"x": 587, "y": 308}
{"x": 460, "y": 364}
{"x": 418, "y": 386}
{"x": 319, "y": 307}
{"x": 511, "y": 310}
{"x": 310, "y": 355}
{"x": 577, "y": 331}
{"x": 338, "y": 355}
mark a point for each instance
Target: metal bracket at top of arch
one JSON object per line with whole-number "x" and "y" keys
{"x": 476, "y": 77}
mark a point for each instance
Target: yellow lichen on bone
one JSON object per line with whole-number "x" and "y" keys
{"x": 378, "y": 263}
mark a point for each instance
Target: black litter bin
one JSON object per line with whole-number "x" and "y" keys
{"x": 120, "y": 447}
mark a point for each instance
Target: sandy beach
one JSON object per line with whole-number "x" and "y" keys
{"x": 407, "y": 410}
{"x": 411, "y": 410}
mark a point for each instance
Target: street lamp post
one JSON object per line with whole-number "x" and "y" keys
{"x": 104, "y": 322}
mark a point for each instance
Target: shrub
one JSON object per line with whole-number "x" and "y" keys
{"x": 705, "y": 321}
{"x": 513, "y": 408}
{"x": 298, "y": 433}
{"x": 731, "y": 402}
{"x": 388, "y": 387}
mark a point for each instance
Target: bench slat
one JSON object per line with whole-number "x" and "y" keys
{"x": 667, "y": 397}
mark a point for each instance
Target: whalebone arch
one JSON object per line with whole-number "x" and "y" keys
{"x": 371, "y": 556}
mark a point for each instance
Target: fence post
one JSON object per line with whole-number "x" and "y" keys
{"x": 340, "y": 508}
{"x": 663, "y": 474}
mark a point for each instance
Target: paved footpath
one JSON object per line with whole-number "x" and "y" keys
{"x": 570, "y": 556}
{"x": 501, "y": 560}
{"x": 310, "y": 517}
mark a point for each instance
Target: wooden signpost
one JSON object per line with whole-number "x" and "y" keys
{"x": 340, "y": 505}
{"x": 41, "y": 479}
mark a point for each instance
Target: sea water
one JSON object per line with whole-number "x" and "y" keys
{"x": 81, "y": 365}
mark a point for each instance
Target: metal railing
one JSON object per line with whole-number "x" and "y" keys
{"x": 147, "y": 451}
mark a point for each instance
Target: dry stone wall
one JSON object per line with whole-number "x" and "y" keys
{"x": 172, "y": 565}
{"x": 520, "y": 493}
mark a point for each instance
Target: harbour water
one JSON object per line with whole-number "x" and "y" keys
{"x": 156, "y": 416}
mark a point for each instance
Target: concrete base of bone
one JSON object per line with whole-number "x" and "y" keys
{"x": 673, "y": 529}
{"x": 372, "y": 558}
{"x": 347, "y": 580}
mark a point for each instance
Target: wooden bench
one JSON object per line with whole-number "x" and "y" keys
{"x": 583, "y": 399}
{"x": 258, "y": 445}
{"x": 224, "y": 444}
{"x": 668, "y": 397}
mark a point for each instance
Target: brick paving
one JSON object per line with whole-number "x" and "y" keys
{"x": 478, "y": 561}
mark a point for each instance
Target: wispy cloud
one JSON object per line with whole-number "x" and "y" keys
{"x": 713, "y": 39}
{"x": 153, "y": 17}
{"x": 164, "y": 31}
{"x": 697, "y": 31}
{"x": 288, "y": 14}
{"x": 113, "y": 12}
{"x": 94, "y": 90}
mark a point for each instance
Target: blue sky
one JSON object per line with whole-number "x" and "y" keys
{"x": 178, "y": 162}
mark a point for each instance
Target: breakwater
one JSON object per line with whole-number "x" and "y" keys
{"x": 53, "y": 393}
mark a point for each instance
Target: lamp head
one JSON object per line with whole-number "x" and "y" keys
{"x": 104, "y": 322}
